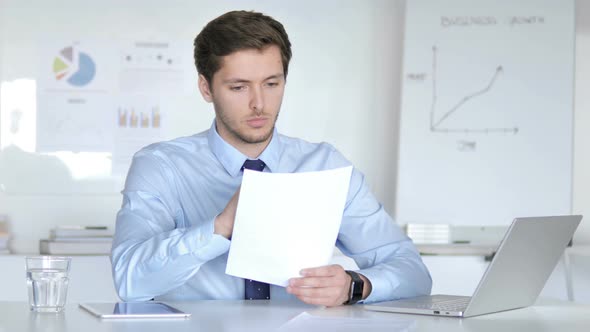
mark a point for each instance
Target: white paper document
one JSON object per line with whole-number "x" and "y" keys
{"x": 286, "y": 222}
{"x": 345, "y": 321}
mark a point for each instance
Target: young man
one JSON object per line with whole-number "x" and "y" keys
{"x": 174, "y": 228}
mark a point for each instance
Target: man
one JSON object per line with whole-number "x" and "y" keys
{"x": 175, "y": 225}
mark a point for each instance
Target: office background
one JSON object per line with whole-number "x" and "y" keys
{"x": 344, "y": 87}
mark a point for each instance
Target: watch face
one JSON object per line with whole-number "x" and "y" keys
{"x": 356, "y": 288}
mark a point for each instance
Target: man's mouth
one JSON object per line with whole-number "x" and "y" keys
{"x": 257, "y": 122}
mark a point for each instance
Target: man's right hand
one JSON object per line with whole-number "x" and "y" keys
{"x": 224, "y": 222}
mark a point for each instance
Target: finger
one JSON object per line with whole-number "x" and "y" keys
{"x": 339, "y": 280}
{"x": 312, "y": 282}
{"x": 329, "y": 296}
{"x": 324, "y": 292}
{"x": 328, "y": 302}
{"x": 322, "y": 271}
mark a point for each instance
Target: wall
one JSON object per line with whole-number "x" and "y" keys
{"x": 344, "y": 88}
{"x": 581, "y": 187}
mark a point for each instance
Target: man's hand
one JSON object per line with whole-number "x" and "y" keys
{"x": 325, "y": 285}
{"x": 224, "y": 223}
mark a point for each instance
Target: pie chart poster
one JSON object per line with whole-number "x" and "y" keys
{"x": 69, "y": 66}
{"x": 75, "y": 86}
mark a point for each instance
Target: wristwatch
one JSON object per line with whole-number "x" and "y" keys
{"x": 356, "y": 288}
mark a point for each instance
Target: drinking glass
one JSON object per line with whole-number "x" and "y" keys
{"x": 47, "y": 281}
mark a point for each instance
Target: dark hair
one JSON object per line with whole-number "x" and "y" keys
{"x": 234, "y": 31}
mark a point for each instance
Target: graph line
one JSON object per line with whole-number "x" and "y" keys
{"x": 435, "y": 125}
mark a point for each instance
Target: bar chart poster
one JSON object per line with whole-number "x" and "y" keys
{"x": 486, "y": 112}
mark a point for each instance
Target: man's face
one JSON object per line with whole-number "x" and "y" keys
{"x": 247, "y": 92}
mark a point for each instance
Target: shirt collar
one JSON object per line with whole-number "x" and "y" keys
{"x": 233, "y": 160}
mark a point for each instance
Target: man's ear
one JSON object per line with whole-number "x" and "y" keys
{"x": 205, "y": 89}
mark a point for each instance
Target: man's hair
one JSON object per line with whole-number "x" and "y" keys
{"x": 235, "y": 31}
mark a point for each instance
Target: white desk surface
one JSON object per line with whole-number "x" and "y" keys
{"x": 272, "y": 316}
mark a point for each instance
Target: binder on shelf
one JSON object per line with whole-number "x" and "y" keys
{"x": 80, "y": 231}
{"x": 48, "y": 247}
{"x": 81, "y": 239}
{"x": 77, "y": 240}
{"x": 4, "y": 235}
{"x": 428, "y": 233}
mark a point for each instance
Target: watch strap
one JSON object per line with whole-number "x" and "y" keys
{"x": 356, "y": 288}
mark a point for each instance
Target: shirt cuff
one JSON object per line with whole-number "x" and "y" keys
{"x": 379, "y": 285}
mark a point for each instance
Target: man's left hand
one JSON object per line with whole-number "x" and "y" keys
{"x": 325, "y": 285}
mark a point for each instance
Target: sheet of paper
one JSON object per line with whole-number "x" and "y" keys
{"x": 286, "y": 222}
{"x": 345, "y": 321}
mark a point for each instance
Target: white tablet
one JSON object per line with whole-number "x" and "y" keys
{"x": 133, "y": 310}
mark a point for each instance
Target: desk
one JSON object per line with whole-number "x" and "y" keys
{"x": 272, "y": 316}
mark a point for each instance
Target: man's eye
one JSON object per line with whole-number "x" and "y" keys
{"x": 237, "y": 88}
{"x": 272, "y": 84}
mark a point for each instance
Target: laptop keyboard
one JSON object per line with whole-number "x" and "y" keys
{"x": 458, "y": 304}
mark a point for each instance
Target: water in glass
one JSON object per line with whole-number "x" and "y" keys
{"x": 47, "y": 289}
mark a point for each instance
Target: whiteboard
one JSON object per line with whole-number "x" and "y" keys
{"x": 486, "y": 111}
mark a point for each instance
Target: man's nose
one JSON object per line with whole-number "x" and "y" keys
{"x": 257, "y": 100}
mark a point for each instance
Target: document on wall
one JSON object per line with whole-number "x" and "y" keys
{"x": 286, "y": 222}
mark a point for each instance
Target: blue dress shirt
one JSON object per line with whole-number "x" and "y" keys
{"x": 164, "y": 244}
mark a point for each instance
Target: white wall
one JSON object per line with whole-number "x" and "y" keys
{"x": 344, "y": 88}
{"x": 581, "y": 187}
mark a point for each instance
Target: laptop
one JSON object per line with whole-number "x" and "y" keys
{"x": 518, "y": 272}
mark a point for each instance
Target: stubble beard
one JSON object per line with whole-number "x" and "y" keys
{"x": 243, "y": 137}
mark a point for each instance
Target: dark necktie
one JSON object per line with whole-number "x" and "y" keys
{"x": 255, "y": 290}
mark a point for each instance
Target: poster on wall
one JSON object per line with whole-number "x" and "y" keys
{"x": 74, "y": 102}
{"x": 153, "y": 67}
{"x": 148, "y": 71}
{"x": 487, "y": 111}
{"x": 104, "y": 97}
{"x": 139, "y": 123}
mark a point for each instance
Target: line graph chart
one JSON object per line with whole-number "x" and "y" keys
{"x": 486, "y": 111}
{"x": 436, "y": 123}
